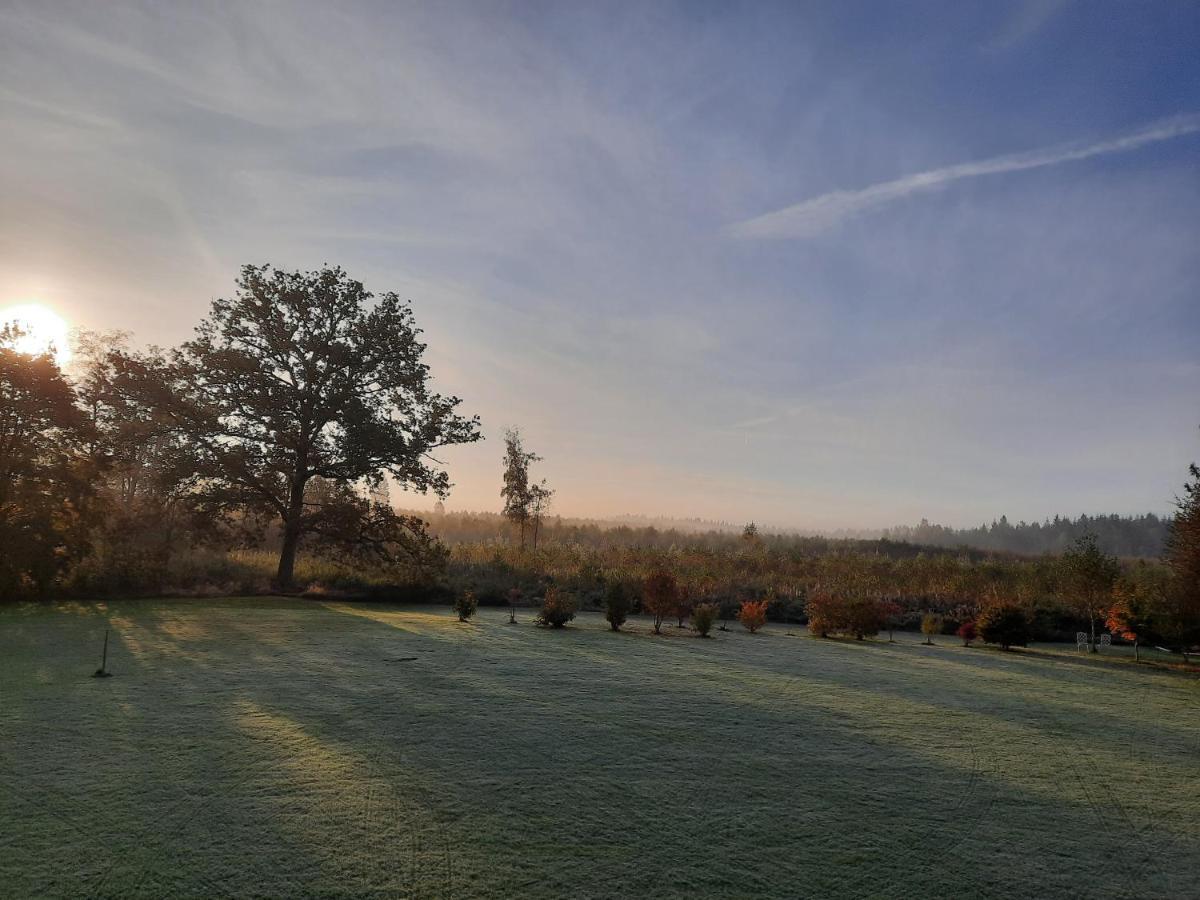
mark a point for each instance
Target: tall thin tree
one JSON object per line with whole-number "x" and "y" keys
{"x": 524, "y": 503}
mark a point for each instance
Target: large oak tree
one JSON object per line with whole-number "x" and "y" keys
{"x": 302, "y": 376}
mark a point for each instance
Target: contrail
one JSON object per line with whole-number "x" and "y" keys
{"x": 811, "y": 217}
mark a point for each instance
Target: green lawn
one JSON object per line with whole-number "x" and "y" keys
{"x": 274, "y": 747}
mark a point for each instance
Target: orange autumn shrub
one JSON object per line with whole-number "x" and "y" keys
{"x": 753, "y": 615}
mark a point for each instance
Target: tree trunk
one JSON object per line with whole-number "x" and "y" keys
{"x": 284, "y": 576}
{"x": 1093, "y": 623}
{"x": 1136, "y": 658}
{"x": 287, "y": 557}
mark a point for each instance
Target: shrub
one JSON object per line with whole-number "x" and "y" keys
{"x": 558, "y": 608}
{"x": 780, "y": 608}
{"x": 703, "y": 617}
{"x": 966, "y": 631}
{"x": 660, "y": 596}
{"x": 753, "y": 615}
{"x": 821, "y": 609}
{"x": 617, "y": 604}
{"x": 465, "y": 605}
{"x": 931, "y": 624}
{"x": 1003, "y": 625}
{"x": 831, "y": 612}
{"x": 864, "y": 615}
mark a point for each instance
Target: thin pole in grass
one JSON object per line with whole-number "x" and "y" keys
{"x": 103, "y": 672}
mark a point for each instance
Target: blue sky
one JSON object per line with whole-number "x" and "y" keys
{"x": 815, "y": 265}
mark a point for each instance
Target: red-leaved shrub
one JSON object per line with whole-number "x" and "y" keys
{"x": 966, "y": 631}
{"x": 753, "y": 615}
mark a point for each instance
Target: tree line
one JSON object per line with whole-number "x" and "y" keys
{"x": 848, "y": 591}
{"x": 1128, "y": 536}
{"x": 855, "y": 596}
{"x": 1143, "y": 536}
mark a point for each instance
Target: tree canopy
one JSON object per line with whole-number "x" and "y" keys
{"x": 45, "y": 471}
{"x": 302, "y": 375}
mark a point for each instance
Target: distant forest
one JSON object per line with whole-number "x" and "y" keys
{"x": 1126, "y": 536}
{"x": 1131, "y": 536}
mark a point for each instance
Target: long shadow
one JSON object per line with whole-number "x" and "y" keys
{"x": 629, "y": 759}
{"x": 460, "y": 683}
{"x": 1037, "y": 691}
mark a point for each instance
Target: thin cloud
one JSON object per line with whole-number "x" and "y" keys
{"x": 812, "y": 217}
{"x": 1027, "y": 21}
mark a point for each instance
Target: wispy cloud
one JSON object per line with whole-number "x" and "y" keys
{"x": 544, "y": 187}
{"x": 1028, "y": 19}
{"x": 819, "y": 214}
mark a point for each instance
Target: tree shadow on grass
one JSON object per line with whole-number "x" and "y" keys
{"x": 628, "y": 753}
{"x": 679, "y": 695}
{"x": 1040, "y": 701}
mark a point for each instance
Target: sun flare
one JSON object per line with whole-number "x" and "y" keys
{"x": 42, "y": 329}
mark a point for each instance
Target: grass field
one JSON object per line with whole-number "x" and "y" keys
{"x": 270, "y": 747}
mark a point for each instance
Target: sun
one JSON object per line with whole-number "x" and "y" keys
{"x": 42, "y": 329}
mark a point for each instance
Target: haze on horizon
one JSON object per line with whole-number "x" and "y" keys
{"x": 840, "y": 266}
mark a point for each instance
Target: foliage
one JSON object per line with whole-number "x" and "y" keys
{"x": 1181, "y": 618}
{"x": 1003, "y": 624}
{"x": 1147, "y": 607}
{"x": 721, "y": 570}
{"x": 784, "y": 605}
{"x": 1126, "y": 536}
{"x": 889, "y": 613}
{"x": 966, "y": 631}
{"x": 683, "y": 604}
{"x": 753, "y": 615}
{"x": 46, "y": 471}
{"x": 558, "y": 608}
{"x": 517, "y": 493}
{"x": 368, "y": 532}
{"x": 704, "y": 616}
{"x": 1088, "y": 576}
{"x": 660, "y": 596}
{"x": 540, "y": 496}
{"x": 750, "y": 536}
{"x": 618, "y": 603}
{"x": 836, "y": 609}
{"x": 301, "y": 375}
{"x": 465, "y": 605}
{"x": 525, "y": 504}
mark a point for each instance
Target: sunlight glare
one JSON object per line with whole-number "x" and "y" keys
{"x": 44, "y": 329}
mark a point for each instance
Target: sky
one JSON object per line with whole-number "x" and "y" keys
{"x": 815, "y": 265}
